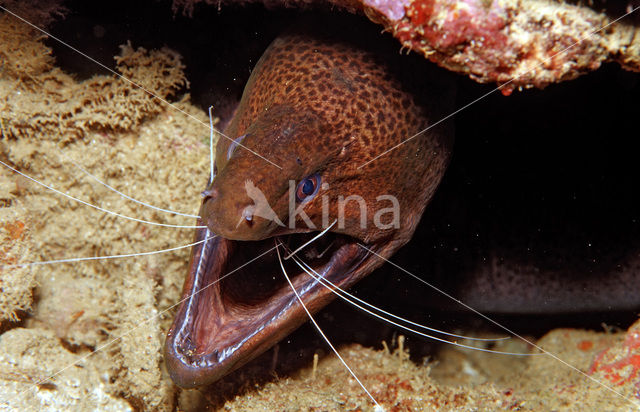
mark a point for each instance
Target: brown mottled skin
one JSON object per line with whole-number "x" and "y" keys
{"x": 313, "y": 104}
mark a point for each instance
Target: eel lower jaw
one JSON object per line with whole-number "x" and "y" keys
{"x": 237, "y": 303}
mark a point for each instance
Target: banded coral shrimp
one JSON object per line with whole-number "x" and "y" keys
{"x": 76, "y": 316}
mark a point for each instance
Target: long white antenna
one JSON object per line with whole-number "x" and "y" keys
{"x": 316, "y": 237}
{"x": 155, "y": 316}
{"x": 81, "y": 259}
{"x": 211, "y": 144}
{"x": 344, "y": 297}
{"x": 284, "y": 272}
{"x": 554, "y": 356}
{"x": 124, "y": 195}
{"x": 98, "y": 207}
{"x": 139, "y": 86}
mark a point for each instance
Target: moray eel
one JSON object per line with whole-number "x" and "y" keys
{"x": 319, "y": 106}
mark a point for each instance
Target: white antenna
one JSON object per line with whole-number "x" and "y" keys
{"x": 211, "y": 144}
{"x": 124, "y": 195}
{"x": 378, "y": 407}
{"x": 98, "y": 207}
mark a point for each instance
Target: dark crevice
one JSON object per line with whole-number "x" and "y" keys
{"x": 74, "y": 347}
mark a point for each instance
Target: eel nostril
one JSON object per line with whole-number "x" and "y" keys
{"x": 209, "y": 193}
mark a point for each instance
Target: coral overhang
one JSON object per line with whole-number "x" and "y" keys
{"x": 513, "y": 43}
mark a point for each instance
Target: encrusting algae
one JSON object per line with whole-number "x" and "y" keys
{"x": 16, "y": 284}
{"x": 138, "y": 145}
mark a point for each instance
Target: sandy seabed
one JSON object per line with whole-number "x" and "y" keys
{"x": 89, "y": 335}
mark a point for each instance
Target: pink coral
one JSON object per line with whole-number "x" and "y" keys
{"x": 450, "y": 23}
{"x": 620, "y": 364}
{"x": 392, "y": 9}
{"x": 508, "y": 42}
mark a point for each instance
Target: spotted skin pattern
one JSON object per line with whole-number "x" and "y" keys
{"x": 327, "y": 104}
{"x": 316, "y": 105}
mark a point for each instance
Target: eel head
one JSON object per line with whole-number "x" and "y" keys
{"x": 296, "y": 164}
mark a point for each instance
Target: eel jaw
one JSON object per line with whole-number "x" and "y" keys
{"x": 221, "y": 325}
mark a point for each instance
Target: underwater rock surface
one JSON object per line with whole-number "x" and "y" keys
{"x": 512, "y": 43}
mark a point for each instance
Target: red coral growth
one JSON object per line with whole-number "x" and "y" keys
{"x": 621, "y": 363}
{"x": 513, "y": 43}
{"x": 501, "y": 41}
{"x": 467, "y": 36}
{"x": 448, "y": 24}
{"x": 391, "y": 387}
{"x": 15, "y": 232}
{"x": 585, "y": 345}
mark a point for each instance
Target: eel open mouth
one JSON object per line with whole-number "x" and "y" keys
{"x": 236, "y": 303}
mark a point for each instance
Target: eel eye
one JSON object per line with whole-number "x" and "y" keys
{"x": 234, "y": 145}
{"x": 307, "y": 188}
